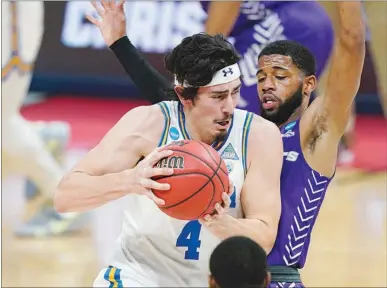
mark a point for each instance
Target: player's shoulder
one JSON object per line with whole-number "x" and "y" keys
{"x": 143, "y": 115}
{"x": 263, "y": 132}
{"x": 145, "y": 121}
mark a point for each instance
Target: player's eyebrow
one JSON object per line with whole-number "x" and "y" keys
{"x": 275, "y": 68}
{"x": 227, "y": 90}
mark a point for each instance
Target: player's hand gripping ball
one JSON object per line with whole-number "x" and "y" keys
{"x": 200, "y": 177}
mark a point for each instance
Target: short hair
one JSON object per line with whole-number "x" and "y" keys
{"x": 301, "y": 56}
{"x": 238, "y": 262}
{"x": 197, "y": 58}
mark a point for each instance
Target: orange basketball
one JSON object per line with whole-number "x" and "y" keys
{"x": 200, "y": 177}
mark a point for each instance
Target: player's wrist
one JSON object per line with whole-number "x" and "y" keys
{"x": 125, "y": 181}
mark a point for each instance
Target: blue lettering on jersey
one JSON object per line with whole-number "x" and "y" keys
{"x": 174, "y": 133}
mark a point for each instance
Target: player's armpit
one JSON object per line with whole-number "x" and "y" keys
{"x": 102, "y": 175}
{"x": 260, "y": 197}
{"x": 346, "y": 68}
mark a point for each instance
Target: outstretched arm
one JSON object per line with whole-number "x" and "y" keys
{"x": 148, "y": 80}
{"x": 324, "y": 122}
{"x": 347, "y": 66}
{"x": 112, "y": 25}
{"x": 222, "y": 16}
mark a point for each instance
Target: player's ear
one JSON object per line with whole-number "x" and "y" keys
{"x": 211, "y": 282}
{"x": 310, "y": 83}
{"x": 179, "y": 92}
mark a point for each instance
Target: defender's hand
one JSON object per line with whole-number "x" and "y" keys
{"x": 145, "y": 170}
{"x": 113, "y": 22}
{"x": 221, "y": 208}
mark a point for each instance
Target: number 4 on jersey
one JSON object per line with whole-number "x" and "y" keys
{"x": 189, "y": 237}
{"x": 190, "y": 234}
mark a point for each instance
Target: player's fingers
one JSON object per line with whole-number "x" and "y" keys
{"x": 156, "y": 157}
{"x": 208, "y": 217}
{"x": 121, "y": 4}
{"x": 226, "y": 200}
{"x": 150, "y": 184}
{"x": 106, "y": 4}
{"x": 151, "y": 172}
{"x": 219, "y": 209}
{"x": 155, "y": 199}
{"x": 93, "y": 20}
{"x": 230, "y": 188}
{"x": 99, "y": 10}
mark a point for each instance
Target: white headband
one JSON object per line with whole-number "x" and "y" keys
{"x": 224, "y": 75}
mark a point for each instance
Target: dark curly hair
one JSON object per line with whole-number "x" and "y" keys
{"x": 196, "y": 59}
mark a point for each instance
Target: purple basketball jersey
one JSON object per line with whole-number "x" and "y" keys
{"x": 302, "y": 193}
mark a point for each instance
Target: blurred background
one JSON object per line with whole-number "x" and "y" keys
{"x": 70, "y": 89}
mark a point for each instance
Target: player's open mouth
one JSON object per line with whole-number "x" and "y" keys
{"x": 223, "y": 124}
{"x": 269, "y": 102}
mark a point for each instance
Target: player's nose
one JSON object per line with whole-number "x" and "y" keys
{"x": 228, "y": 105}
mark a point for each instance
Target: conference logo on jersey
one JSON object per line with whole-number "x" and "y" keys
{"x": 290, "y": 125}
{"x": 229, "y": 153}
{"x": 174, "y": 133}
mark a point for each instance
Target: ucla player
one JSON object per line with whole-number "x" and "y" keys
{"x": 154, "y": 249}
{"x": 23, "y": 149}
{"x": 310, "y": 134}
{"x": 254, "y": 24}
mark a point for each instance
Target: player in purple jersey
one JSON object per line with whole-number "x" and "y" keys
{"x": 254, "y": 24}
{"x": 311, "y": 133}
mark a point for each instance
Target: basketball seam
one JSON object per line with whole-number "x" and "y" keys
{"x": 213, "y": 157}
{"x": 210, "y": 179}
{"x": 192, "y": 195}
{"x": 219, "y": 164}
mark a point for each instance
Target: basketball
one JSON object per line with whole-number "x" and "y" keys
{"x": 200, "y": 177}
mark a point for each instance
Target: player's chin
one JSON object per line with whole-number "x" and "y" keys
{"x": 271, "y": 111}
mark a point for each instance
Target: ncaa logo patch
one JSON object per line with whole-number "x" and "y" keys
{"x": 290, "y": 125}
{"x": 174, "y": 133}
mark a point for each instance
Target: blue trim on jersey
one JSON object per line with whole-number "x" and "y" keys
{"x": 167, "y": 118}
{"x": 113, "y": 275}
{"x": 245, "y": 138}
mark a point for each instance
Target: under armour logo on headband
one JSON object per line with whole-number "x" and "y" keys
{"x": 225, "y": 72}
{"x": 224, "y": 75}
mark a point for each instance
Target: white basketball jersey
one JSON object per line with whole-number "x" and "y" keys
{"x": 170, "y": 252}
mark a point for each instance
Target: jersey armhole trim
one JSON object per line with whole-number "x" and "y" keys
{"x": 167, "y": 122}
{"x": 113, "y": 275}
{"x": 245, "y": 138}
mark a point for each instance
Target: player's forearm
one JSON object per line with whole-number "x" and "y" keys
{"x": 148, "y": 80}
{"x": 255, "y": 229}
{"x": 217, "y": 22}
{"x": 352, "y": 32}
{"x": 79, "y": 191}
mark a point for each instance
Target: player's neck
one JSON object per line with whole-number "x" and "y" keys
{"x": 296, "y": 115}
{"x": 196, "y": 133}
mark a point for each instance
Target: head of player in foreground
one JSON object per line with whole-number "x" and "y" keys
{"x": 238, "y": 262}
{"x": 207, "y": 83}
{"x": 286, "y": 79}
